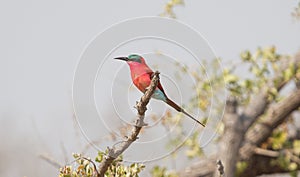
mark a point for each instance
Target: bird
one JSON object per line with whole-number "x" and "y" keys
{"x": 141, "y": 75}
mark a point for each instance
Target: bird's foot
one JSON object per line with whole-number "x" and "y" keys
{"x": 152, "y": 74}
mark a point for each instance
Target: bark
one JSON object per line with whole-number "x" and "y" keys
{"x": 262, "y": 130}
{"x": 203, "y": 168}
{"x": 231, "y": 142}
{"x": 261, "y": 164}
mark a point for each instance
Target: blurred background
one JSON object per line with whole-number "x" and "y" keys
{"x": 42, "y": 41}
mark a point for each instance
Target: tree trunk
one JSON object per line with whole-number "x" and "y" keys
{"x": 231, "y": 139}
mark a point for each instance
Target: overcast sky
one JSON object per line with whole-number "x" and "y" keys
{"x": 41, "y": 42}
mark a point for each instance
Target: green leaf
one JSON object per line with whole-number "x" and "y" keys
{"x": 289, "y": 72}
{"x": 246, "y": 56}
{"x": 278, "y": 139}
{"x": 99, "y": 158}
{"x": 230, "y": 78}
{"x": 240, "y": 167}
{"x": 292, "y": 166}
{"x": 296, "y": 147}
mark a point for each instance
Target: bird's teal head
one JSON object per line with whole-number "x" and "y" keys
{"x": 133, "y": 58}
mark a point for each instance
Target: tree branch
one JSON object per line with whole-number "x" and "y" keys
{"x": 114, "y": 152}
{"x": 234, "y": 132}
{"x": 275, "y": 116}
{"x": 262, "y": 164}
{"x": 50, "y": 160}
{"x": 259, "y": 102}
{"x": 204, "y": 167}
{"x": 266, "y": 152}
{"x": 271, "y": 153}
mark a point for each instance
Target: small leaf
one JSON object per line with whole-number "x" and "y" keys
{"x": 296, "y": 147}
{"x": 246, "y": 56}
{"x": 293, "y": 166}
{"x": 230, "y": 78}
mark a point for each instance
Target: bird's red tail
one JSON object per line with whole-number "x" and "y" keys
{"x": 179, "y": 109}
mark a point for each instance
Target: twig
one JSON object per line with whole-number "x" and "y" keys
{"x": 50, "y": 160}
{"x": 63, "y": 148}
{"x": 94, "y": 165}
{"x": 114, "y": 152}
{"x": 293, "y": 157}
{"x": 266, "y": 152}
{"x": 274, "y": 154}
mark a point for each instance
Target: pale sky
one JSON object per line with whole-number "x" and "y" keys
{"x": 42, "y": 41}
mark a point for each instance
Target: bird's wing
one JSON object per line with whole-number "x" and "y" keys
{"x": 159, "y": 86}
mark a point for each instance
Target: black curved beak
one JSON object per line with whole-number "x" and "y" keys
{"x": 122, "y": 58}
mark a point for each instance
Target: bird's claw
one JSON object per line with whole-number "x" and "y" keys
{"x": 152, "y": 74}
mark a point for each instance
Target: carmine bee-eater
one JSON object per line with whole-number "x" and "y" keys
{"x": 141, "y": 76}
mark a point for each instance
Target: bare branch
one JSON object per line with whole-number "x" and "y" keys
{"x": 93, "y": 163}
{"x": 275, "y": 116}
{"x": 266, "y": 152}
{"x": 50, "y": 160}
{"x": 262, "y": 164}
{"x": 114, "y": 152}
{"x": 270, "y": 153}
{"x": 63, "y": 148}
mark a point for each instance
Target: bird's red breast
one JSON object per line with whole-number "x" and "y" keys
{"x": 141, "y": 76}
{"x": 142, "y": 81}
